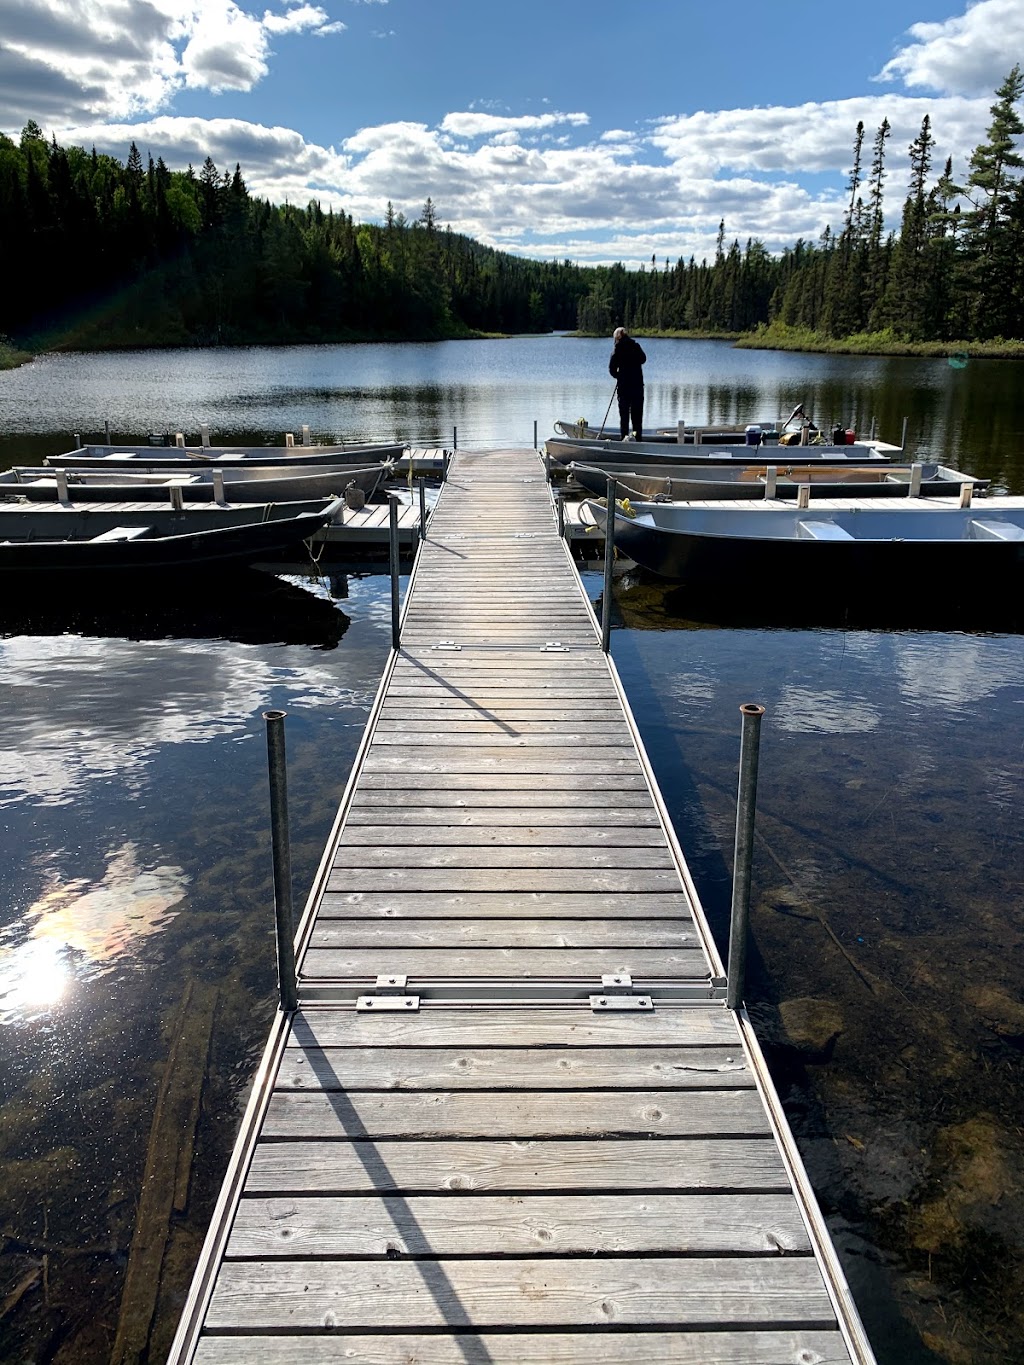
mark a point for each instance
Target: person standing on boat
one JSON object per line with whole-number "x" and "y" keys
{"x": 626, "y": 366}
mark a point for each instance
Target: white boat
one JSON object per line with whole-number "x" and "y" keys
{"x": 155, "y": 458}
{"x": 690, "y": 483}
{"x": 68, "y": 546}
{"x": 771, "y": 431}
{"x": 562, "y": 450}
{"x": 233, "y": 483}
{"x": 898, "y": 546}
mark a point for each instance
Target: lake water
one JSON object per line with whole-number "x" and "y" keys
{"x": 887, "y": 957}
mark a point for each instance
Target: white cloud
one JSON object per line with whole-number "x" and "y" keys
{"x": 277, "y": 163}
{"x": 475, "y": 124}
{"x": 297, "y": 20}
{"x": 226, "y": 50}
{"x": 968, "y": 54}
{"x": 811, "y": 137}
{"x": 78, "y": 60}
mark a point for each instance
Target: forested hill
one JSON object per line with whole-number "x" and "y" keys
{"x": 119, "y": 254}
{"x": 100, "y": 253}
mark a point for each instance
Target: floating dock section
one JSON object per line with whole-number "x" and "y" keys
{"x": 512, "y": 1119}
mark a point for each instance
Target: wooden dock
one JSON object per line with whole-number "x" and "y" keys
{"x": 512, "y": 1119}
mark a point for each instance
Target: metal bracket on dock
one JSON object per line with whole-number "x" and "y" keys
{"x": 447, "y": 644}
{"x": 389, "y": 995}
{"x": 617, "y": 994}
{"x": 554, "y": 647}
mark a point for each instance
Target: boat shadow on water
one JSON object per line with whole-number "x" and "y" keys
{"x": 644, "y": 599}
{"x": 250, "y": 606}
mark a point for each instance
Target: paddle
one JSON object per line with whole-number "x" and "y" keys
{"x": 609, "y": 408}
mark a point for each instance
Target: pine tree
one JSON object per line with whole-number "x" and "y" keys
{"x": 990, "y": 190}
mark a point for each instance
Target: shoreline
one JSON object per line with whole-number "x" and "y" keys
{"x": 873, "y": 343}
{"x": 957, "y": 353}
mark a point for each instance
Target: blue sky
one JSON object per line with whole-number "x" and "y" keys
{"x": 577, "y": 129}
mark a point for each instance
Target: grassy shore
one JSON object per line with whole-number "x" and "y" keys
{"x": 778, "y": 337}
{"x": 10, "y": 356}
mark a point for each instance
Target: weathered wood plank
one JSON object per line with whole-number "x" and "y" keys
{"x": 582, "y": 731}
{"x": 564, "y": 801}
{"x": 492, "y": 761}
{"x": 454, "y": 816}
{"x": 464, "y": 835}
{"x": 498, "y": 904}
{"x": 492, "y": 734}
{"x": 674, "y": 1165}
{"x": 611, "y": 787}
{"x": 360, "y": 1296}
{"x": 319, "y": 1115}
{"x": 398, "y": 712}
{"x": 530, "y": 1225}
{"x": 597, "y": 880}
{"x": 512, "y": 933}
{"x": 664, "y": 1026}
{"x": 505, "y": 856}
{"x": 522, "y": 1348}
{"x": 588, "y": 964}
{"x": 511, "y": 637}
{"x": 578, "y": 665}
{"x": 510, "y": 1068}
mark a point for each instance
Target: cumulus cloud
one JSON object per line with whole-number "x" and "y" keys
{"x": 968, "y": 54}
{"x": 226, "y": 50}
{"x": 278, "y": 163}
{"x": 115, "y": 59}
{"x": 475, "y": 124}
{"x": 299, "y": 19}
{"x": 810, "y": 137}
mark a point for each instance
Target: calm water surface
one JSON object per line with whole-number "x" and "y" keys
{"x": 492, "y": 392}
{"x": 136, "y": 935}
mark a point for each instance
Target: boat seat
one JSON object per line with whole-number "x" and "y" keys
{"x": 822, "y": 530}
{"x": 122, "y": 533}
{"x": 995, "y": 530}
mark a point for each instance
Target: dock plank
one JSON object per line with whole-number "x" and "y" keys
{"x": 521, "y": 1225}
{"x": 680, "y": 1165}
{"x": 523, "y": 1348}
{"x": 508, "y": 1068}
{"x": 482, "y": 1294}
{"x": 523, "y": 1115}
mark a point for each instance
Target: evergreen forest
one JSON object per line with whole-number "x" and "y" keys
{"x": 118, "y": 254}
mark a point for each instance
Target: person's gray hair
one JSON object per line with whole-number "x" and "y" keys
{"x": 619, "y": 332}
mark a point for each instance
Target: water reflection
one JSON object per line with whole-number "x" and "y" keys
{"x": 137, "y": 937}
{"x": 252, "y": 607}
{"x": 83, "y": 928}
{"x": 657, "y": 603}
{"x": 887, "y": 941}
{"x": 494, "y": 391}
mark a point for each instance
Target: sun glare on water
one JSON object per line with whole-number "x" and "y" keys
{"x": 78, "y": 928}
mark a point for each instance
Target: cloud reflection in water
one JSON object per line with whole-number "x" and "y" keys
{"x": 68, "y": 728}
{"x": 77, "y": 928}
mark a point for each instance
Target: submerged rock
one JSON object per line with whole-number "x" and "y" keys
{"x": 811, "y": 1025}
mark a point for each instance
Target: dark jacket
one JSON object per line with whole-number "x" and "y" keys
{"x": 626, "y": 364}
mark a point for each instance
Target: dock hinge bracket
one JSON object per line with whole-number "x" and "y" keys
{"x": 554, "y": 647}
{"x": 448, "y": 645}
{"x": 617, "y": 994}
{"x": 389, "y": 996}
